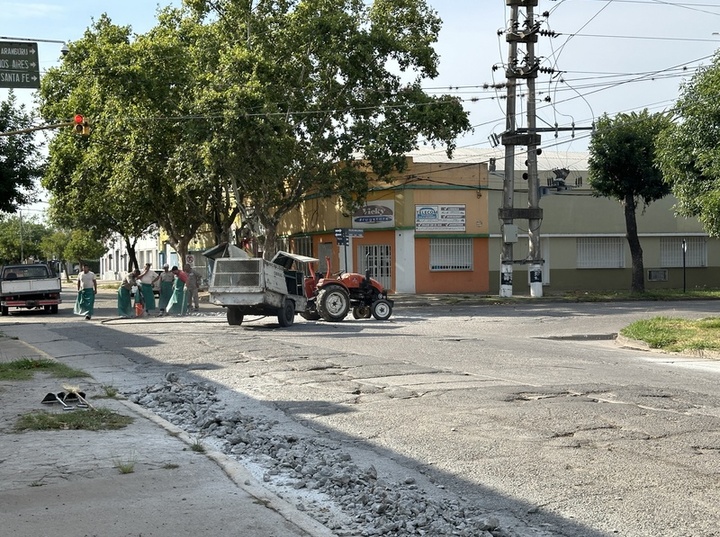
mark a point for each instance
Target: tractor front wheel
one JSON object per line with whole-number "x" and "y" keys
{"x": 333, "y": 303}
{"x": 234, "y": 316}
{"x": 381, "y": 309}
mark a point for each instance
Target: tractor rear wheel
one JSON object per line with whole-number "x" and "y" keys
{"x": 333, "y": 303}
{"x": 234, "y": 317}
{"x": 381, "y": 309}
{"x": 286, "y": 314}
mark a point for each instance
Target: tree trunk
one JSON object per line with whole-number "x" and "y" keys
{"x": 269, "y": 245}
{"x": 638, "y": 269}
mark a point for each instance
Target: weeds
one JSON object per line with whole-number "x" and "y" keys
{"x": 125, "y": 466}
{"x": 110, "y": 391}
{"x": 25, "y": 369}
{"x": 197, "y": 446}
{"x": 88, "y": 420}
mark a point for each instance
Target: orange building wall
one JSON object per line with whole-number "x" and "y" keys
{"x": 475, "y": 281}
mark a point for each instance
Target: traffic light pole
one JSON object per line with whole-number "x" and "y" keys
{"x": 40, "y": 128}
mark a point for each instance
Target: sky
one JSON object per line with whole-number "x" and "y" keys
{"x": 610, "y": 56}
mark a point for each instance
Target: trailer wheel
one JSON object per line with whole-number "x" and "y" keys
{"x": 234, "y": 317}
{"x": 381, "y": 309}
{"x": 333, "y": 303}
{"x": 361, "y": 312}
{"x": 286, "y": 314}
{"x": 54, "y": 308}
{"x": 5, "y": 311}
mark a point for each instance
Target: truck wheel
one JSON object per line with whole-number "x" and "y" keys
{"x": 234, "y": 317}
{"x": 5, "y": 311}
{"x": 286, "y": 315}
{"x": 333, "y": 303}
{"x": 381, "y": 309}
{"x": 361, "y": 312}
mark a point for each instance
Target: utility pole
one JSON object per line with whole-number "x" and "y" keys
{"x": 509, "y": 230}
{"x": 513, "y": 137}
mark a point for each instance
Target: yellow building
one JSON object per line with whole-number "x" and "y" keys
{"x": 426, "y": 231}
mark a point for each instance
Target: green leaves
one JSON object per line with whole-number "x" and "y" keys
{"x": 622, "y": 161}
{"x": 20, "y": 161}
{"x": 230, "y": 103}
{"x": 689, "y": 152}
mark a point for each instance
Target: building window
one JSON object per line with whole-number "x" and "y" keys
{"x": 671, "y": 252}
{"x": 451, "y": 254}
{"x": 600, "y": 252}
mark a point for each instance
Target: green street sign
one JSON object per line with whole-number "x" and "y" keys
{"x": 19, "y": 66}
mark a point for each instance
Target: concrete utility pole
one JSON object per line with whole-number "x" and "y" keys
{"x": 512, "y": 137}
{"x": 509, "y": 231}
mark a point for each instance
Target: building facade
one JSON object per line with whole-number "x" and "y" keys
{"x": 435, "y": 229}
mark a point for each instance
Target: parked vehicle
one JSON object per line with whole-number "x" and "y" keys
{"x": 288, "y": 284}
{"x": 32, "y": 286}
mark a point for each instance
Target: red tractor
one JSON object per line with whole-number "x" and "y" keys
{"x": 330, "y": 297}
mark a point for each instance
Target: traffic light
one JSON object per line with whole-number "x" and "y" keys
{"x": 81, "y": 126}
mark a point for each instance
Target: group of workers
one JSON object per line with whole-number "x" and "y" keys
{"x": 178, "y": 292}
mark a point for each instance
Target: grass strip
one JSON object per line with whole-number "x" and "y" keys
{"x": 88, "y": 420}
{"x": 676, "y": 335}
{"x": 25, "y": 369}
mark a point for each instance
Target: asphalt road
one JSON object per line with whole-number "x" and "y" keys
{"x": 532, "y": 411}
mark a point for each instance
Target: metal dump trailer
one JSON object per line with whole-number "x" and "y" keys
{"x": 254, "y": 286}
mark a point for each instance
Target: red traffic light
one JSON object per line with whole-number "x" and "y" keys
{"x": 79, "y": 119}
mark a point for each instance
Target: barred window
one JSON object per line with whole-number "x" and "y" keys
{"x": 451, "y": 254}
{"x": 671, "y": 252}
{"x": 303, "y": 246}
{"x": 600, "y": 252}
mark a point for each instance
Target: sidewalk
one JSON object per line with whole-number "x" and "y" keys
{"x": 68, "y": 482}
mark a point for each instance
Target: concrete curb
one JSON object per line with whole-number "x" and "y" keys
{"x": 240, "y": 476}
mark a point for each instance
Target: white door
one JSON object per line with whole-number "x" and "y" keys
{"x": 379, "y": 259}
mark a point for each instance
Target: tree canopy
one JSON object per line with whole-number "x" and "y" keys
{"x": 230, "y": 107}
{"x": 689, "y": 152}
{"x": 312, "y": 97}
{"x": 20, "y": 161}
{"x": 622, "y": 166}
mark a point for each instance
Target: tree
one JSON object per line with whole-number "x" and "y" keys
{"x": 689, "y": 152}
{"x": 622, "y": 166}
{"x": 142, "y": 166}
{"x": 314, "y": 97}
{"x": 21, "y": 239}
{"x": 20, "y": 161}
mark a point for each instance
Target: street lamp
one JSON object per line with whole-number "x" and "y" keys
{"x": 63, "y": 50}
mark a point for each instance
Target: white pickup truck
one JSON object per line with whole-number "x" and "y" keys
{"x": 30, "y": 287}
